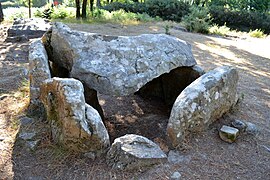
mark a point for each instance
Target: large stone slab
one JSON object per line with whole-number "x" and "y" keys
{"x": 117, "y": 65}
{"x": 24, "y": 29}
{"x": 38, "y": 70}
{"x": 134, "y": 152}
{"x": 74, "y": 124}
{"x": 202, "y": 102}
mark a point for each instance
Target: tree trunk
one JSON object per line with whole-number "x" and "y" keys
{"x": 29, "y": 8}
{"x": 78, "y": 9}
{"x": 92, "y": 5}
{"x": 84, "y": 9}
{"x": 1, "y": 13}
{"x": 98, "y": 4}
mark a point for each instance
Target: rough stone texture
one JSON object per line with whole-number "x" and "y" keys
{"x": 202, "y": 102}
{"x": 240, "y": 125}
{"x": 38, "y": 70}
{"x": 168, "y": 86}
{"x": 24, "y": 29}
{"x": 176, "y": 176}
{"x": 134, "y": 152}
{"x": 27, "y": 135}
{"x": 100, "y": 136}
{"x": 252, "y": 128}
{"x": 117, "y": 65}
{"x": 74, "y": 124}
{"x": 228, "y": 134}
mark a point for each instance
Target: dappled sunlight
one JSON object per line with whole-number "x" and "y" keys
{"x": 255, "y": 46}
{"x": 154, "y": 28}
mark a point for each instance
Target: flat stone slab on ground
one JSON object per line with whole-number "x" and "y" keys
{"x": 134, "y": 152}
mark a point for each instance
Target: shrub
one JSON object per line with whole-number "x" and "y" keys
{"x": 167, "y": 10}
{"x": 241, "y": 20}
{"x": 257, "y": 33}
{"x": 59, "y": 12}
{"x": 198, "y": 20}
{"x": 219, "y": 30}
{"x": 120, "y": 16}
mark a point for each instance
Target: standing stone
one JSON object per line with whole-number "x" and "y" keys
{"x": 117, "y": 65}
{"x": 73, "y": 123}
{"x": 134, "y": 152}
{"x": 202, "y": 102}
{"x": 38, "y": 70}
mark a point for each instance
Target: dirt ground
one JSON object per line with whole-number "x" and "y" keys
{"x": 203, "y": 156}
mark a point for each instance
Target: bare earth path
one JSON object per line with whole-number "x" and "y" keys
{"x": 205, "y": 156}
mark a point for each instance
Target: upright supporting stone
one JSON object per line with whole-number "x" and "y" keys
{"x": 202, "y": 102}
{"x": 38, "y": 70}
{"x": 74, "y": 124}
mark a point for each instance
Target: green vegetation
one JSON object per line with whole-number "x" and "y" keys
{"x": 257, "y": 33}
{"x": 219, "y": 30}
{"x": 203, "y": 16}
{"x": 198, "y": 20}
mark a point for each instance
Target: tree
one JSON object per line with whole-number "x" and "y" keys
{"x": 92, "y": 5}
{"x": 84, "y": 9}
{"x": 78, "y": 9}
{"x": 29, "y": 8}
{"x": 1, "y": 13}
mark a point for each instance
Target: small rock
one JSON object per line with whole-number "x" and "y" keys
{"x": 32, "y": 145}
{"x": 90, "y": 155}
{"x": 240, "y": 125}
{"x": 228, "y": 134}
{"x": 176, "y": 176}
{"x": 267, "y": 148}
{"x": 35, "y": 178}
{"x": 26, "y": 121}
{"x": 27, "y": 136}
{"x": 175, "y": 157}
{"x": 252, "y": 129}
{"x": 2, "y": 138}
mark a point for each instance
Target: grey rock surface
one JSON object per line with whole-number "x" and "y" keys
{"x": 134, "y": 152}
{"x": 202, "y": 102}
{"x": 26, "y": 121}
{"x": 176, "y": 176}
{"x": 24, "y": 29}
{"x": 252, "y": 128}
{"x": 32, "y": 145}
{"x": 27, "y": 135}
{"x": 117, "y": 65}
{"x": 72, "y": 122}
{"x": 239, "y": 124}
{"x": 38, "y": 70}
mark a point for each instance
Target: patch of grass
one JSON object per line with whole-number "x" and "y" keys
{"x": 120, "y": 16}
{"x": 219, "y": 30}
{"x": 257, "y": 33}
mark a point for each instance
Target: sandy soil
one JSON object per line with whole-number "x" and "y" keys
{"x": 204, "y": 155}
